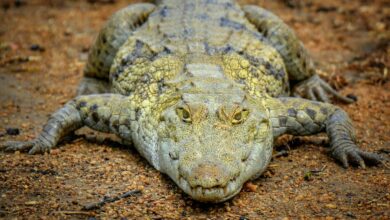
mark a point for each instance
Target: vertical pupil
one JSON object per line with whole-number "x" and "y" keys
{"x": 186, "y": 115}
{"x": 237, "y": 116}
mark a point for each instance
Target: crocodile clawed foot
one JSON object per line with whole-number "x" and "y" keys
{"x": 317, "y": 89}
{"x": 356, "y": 157}
{"x": 33, "y": 147}
{"x": 11, "y": 146}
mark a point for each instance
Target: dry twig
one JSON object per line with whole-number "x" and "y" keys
{"x": 110, "y": 199}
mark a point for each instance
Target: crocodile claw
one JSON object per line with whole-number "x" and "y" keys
{"x": 356, "y": 157}
{"x": 317, "y": 89}
{"x": 33, "y": 147}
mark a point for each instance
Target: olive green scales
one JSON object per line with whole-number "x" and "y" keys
{"x": 201, "y": 89}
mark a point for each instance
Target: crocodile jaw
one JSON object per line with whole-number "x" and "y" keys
{"x": 256, "y": 163}
{"x": 214, "y": 194}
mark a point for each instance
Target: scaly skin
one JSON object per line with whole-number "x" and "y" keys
{"x": 199, "y": 87}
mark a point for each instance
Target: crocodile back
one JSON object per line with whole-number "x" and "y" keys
{"x": 210, "y": 32}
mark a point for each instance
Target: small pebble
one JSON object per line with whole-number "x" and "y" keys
{"x": 251, "y": 187}
{"x": 31, "y": 203}
{"x": 331, "y": 206}
{"x": 12, "y": 131}
{"x": 37, "y": 47}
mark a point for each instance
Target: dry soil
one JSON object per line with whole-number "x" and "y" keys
{"x": 44, "y": 45}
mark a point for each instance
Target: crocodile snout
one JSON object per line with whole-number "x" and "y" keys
{"x": 209, "y": 175}
{"x": 210, "y": 180}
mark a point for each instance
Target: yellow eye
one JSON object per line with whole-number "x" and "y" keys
{"x": 239, "y": 115}
{"x": 184, "y": 114}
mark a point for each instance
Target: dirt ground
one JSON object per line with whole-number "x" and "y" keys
{"x": 44, "y": 46}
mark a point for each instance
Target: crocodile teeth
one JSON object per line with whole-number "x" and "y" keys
{"x": 219, "y": 193}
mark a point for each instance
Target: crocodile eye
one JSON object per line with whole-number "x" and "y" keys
{"x": 239, "y": 116}
{"x": 184, "y": 114}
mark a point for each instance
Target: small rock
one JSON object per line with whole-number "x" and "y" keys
{"x": 37, "y": 47}
{"x": 300, "y": 197}
{"x": 12, "y": 131}
{"x": 331, "y": 206}
{"x": 251, "y": 187}
{"x": 31, "y": 202}
{"x": 68, "y": 32}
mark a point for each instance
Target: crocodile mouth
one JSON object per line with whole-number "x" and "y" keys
{"x": 211, "y": 194}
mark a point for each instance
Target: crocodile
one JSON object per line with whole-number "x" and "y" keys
{"x": 202, "y": 88}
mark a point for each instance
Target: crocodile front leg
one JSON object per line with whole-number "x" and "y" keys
{"x": 104, "y": 112}
{"x": 303, "y": 117}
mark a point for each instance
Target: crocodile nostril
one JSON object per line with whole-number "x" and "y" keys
{"x": 173, "y": 155}
{"x": 245, "y": 157}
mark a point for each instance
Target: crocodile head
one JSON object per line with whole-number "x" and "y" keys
{"x": 210, "y": 145}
